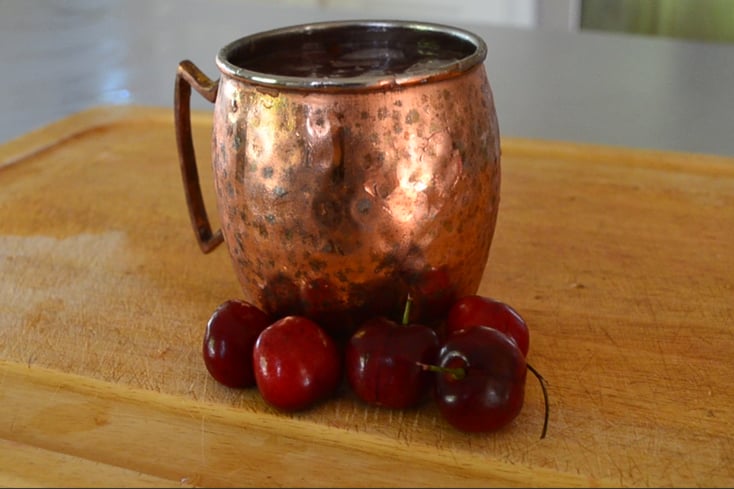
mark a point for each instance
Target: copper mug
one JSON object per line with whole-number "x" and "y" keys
{"x": 355, "y": 163}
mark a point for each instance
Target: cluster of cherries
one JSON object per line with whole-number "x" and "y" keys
{"x": 475, "y": 369}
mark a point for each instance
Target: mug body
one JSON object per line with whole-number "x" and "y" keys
{"x": 356, "y": 163}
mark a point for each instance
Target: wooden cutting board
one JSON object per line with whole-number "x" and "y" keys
{"x": 621, "y": 261}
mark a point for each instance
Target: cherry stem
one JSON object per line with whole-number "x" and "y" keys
{"x": 545, "y": 398}
{"x": 457, "y": 373}
{"x": 406, "y": 311}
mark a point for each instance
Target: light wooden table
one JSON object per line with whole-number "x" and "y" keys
{"x": 620, "y": 260}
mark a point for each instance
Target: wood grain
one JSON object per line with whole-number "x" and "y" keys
{"x": 620, "y": 260}
{"x": 27, "y": 466}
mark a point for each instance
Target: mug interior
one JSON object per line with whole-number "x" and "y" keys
{"x": 365, "y": 53}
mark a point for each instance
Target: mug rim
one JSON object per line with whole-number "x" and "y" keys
{"x": 361, "y": 82}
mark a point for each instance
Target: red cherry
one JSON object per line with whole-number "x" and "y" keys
{"x": 476, "y": 310}
{"x": 433, "y": 294}
{"x": 481, "y": 384}
{"x": 382, "y": 362}
{"x": 230, "y": 336}
{"x": 296, "y": 363}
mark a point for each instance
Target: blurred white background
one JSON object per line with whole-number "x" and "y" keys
{"x": 702, "y": 20}
{"x": 516, "y": 13}
{"x": 622, "y": 72}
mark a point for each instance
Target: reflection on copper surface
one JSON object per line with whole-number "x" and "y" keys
{"x": 337, "y": 204}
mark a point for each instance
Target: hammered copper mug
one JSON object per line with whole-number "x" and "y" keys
{"x": 355, "y": 163}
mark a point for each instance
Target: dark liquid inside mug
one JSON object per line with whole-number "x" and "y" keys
{"x": 365, "y": 50}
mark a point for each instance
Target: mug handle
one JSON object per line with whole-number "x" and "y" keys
{"x": 187, "y": 76}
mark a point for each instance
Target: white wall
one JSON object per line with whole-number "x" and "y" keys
{"x": 544, "y": 14}
{"x": 516, "y": 13}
